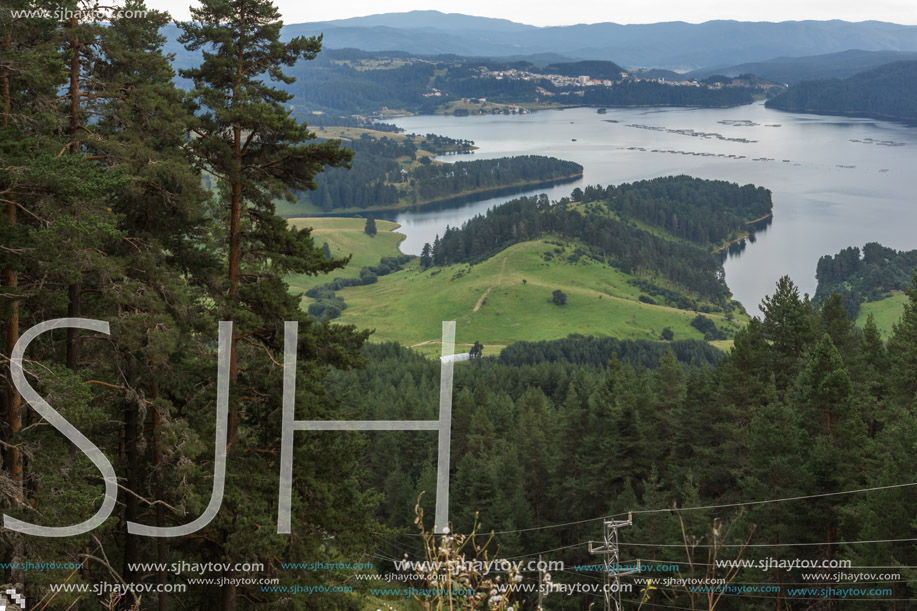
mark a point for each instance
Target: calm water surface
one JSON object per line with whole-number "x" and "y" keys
{"x": 836, "y": 182}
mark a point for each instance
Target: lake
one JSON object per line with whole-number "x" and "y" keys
{"x": 836, "y": 181}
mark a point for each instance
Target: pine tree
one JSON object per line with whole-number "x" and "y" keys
{"x": 902, "y": 351}
{"x": 512, "y": 509}
{"x": 835, "y": 432}
{"x": 660, "y": 526}
{"x": 143, "y": 128}
{"x": 788, "y": 325}
{"x": 871, "y": 379}
{"x": 668, "y": 387}
{"x": 618, "y": 444}
{"x": 426, "y": 257}
{"x": 476, "y": 477}
{"x": 81, "y": 44}
{"x": 29, "y": 79}
{"x": 439, "y": 255}
{"x": 370, "y": 227}
{"x": 745, "y": 372}
{"x": 566, "y": 473}
{"x": 774, "y": 469}
{"x": 709, "y": 435}
{"x": 834, "y": 321}
{"x": 536, "y": 444}
{"x": 247, "y": 139}
{"x": 885, "y": 515}
{"x": 64, "y": 191}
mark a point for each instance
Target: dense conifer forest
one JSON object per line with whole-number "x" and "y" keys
{"x": 547, "y": 439}
{"x": 106, "y": 218}
{"x": 649, "y": 93}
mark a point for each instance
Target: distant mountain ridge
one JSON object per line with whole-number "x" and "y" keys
{"x": 430, "y": 19}
{"x": 792, "y": 70}
{"x": 676, "y": 45}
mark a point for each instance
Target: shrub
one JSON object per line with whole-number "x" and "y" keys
{"x": 708, "y": 328}
{"x": 320, "y": 309}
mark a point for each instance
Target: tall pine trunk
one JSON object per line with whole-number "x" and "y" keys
{"x": 14, "y": 409}
{"x": 162, "y": 549}
{"x": 235, "y": 273}
{"x": 11, "y": 280}
{"x": 75, "y": 290}
{"x": 131, "y": 504}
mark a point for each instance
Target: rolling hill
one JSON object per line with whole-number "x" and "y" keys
{"x": 508, "y": 298}
{"x": 525, "y": 271}
{"x": 792, "y": 70}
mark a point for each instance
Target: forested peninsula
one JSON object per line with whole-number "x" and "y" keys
{"x": 886, "y": 92}
{"x": 668, "y": 225}
{"x": 393, "y": 171}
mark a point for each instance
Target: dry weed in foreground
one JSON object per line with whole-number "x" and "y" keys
{"x": 451, "y": 574}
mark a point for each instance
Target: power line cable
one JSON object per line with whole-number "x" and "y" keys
{"x": 682, "y": 545}
{"x": 697, "y": 508}
{"x": 782, "y": 500}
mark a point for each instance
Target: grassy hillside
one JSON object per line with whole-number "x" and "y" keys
{"x": 885, "y": 311}
{"x": 345, "y": 236}
{"x": 625, "y": 271}
{"x": 492, "y": 304}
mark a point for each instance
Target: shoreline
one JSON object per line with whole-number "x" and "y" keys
{"x": 534, "y": 109}
{"x": 744, "y": 236}
{"x": 853, "y": 114}
{"x": 522, "y": 186}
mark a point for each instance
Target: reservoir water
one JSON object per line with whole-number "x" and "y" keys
{"x": 836, "y": 181}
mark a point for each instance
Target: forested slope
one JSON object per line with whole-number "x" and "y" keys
{"x": 391, "y": 171}
{"x": 887, "y": 92}
{"x": 866, "y": 275}
{"x": 698, "y": 213}
{"x": 802, "y": 406}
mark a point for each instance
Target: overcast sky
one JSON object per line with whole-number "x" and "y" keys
{"x": 542, "y": 13}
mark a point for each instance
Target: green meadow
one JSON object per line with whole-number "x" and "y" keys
{"x": 886, "y": 312}
{"x": 345, "y": 237}
{"x": 504, "y": 299}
